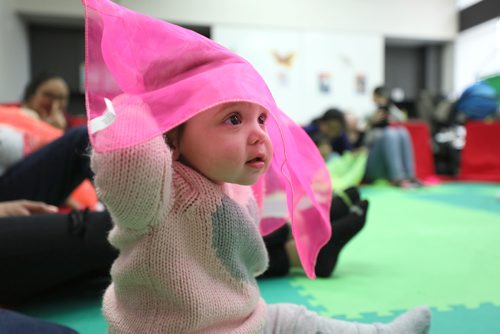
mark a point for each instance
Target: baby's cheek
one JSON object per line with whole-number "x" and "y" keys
{"x": 270, "y": 148}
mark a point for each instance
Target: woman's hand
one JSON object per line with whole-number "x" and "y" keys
{"x": 379, "y": 116}
{"x": 56, "y": 116}
{"x": 24, "y": 208}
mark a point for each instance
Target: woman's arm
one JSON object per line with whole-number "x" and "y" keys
{"x": 24, "y": 208}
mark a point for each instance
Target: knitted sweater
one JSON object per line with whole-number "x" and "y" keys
{"x": 189, "y": 248}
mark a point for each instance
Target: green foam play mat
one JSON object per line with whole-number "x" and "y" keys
{"x": 437, "y": 246}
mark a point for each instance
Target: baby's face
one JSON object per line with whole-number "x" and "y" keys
{"x": 228, "y": 143}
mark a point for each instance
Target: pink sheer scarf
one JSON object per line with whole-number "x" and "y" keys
{"x": 167, "y": 74}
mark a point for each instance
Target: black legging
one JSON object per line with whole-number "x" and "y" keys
{"x": 42, "y": 251}
{"x": 279, "y": 263}
{"x": 51, "y": 173}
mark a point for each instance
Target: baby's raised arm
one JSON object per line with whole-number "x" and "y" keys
{"x": 135, "y": 182}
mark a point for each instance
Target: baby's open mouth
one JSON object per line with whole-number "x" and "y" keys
{"x": 258, "y": 159}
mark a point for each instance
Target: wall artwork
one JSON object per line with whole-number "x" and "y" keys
{"x": 325, "y": 82}
{"x": 360, "y": 84}
{"x": 284, "y": 63}
{"x": 284, "y": 59}
{"x": 309, "y": 71}
{"x": 282, "y": 78}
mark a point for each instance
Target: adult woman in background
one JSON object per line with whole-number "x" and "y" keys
{"x": 38, "y": 161}
{"x": 390, "y": 150}
{"x": 40, "y": 166}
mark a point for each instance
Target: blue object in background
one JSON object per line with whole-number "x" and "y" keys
{"x": 478, "y": 101}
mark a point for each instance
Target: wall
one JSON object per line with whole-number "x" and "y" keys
{"x": 477, "y": 54}
{"x": 380, "y": 16}
{"x": 310, "y": 71}
{"x": 60, "y": 51}
{"x": 448, "y": 68}
{"x": 406, "y": 70}
{"x": 393, "y": 18}
{"x": 403, "y": 18}
{"x": 14, "y": 64}
{"x": 461, "y": 4}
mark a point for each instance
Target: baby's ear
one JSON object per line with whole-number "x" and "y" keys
{"x": 172, "y": 140}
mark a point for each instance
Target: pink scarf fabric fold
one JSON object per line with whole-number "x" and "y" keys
{"x": 169, "y": 74}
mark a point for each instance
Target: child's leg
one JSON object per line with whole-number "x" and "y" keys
{"x": 342, "y": 202}
{"x": 406, "y": 152}
{"x": 343, "y": 230}
{"x": 347, "y": 217}
{"x": 393, "y": 155}
{"x": 376, "y": 165}
{"x": 279, "y": 262}
{"x": 290, "y": 318}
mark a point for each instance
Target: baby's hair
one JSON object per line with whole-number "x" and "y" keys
{"x": 167, "y": 135}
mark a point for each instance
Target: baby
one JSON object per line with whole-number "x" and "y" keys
{"x": 175, "y": 151}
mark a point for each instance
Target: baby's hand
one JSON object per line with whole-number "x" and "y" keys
{"x": 126, "y": 122}
{"x": 24, "y": 208}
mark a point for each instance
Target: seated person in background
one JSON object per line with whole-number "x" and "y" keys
{"x": 46, "y": 98}
{"x": 390, "y": 150}
{"x": 40, "y": 166}
{"x": 345, "y": 158}
{"x": 386, "y": 111}
{"x": 324, "y": 146}
{"x": 37, "y": 160}
{"x": 331, "y": 125}
{"x": 355, "y": 131}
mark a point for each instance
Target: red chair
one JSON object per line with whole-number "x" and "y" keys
{"x": 76, "y": 120}
{"x": 422, "y": 149}
{"x": 480, "y": 159}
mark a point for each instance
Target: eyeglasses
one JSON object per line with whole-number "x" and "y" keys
{"x": 53, "y": 96}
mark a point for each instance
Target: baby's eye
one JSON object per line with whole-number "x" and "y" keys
{"x": 234, "y": 119}
{"x": 262, "y": 119}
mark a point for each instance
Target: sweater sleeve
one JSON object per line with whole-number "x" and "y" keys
{"x": 135, "y": 183}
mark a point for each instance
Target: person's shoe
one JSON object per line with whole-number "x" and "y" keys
{"x": 405, "y": 184}
{"x": 416, "y": 182}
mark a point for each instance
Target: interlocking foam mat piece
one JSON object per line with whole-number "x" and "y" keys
{"x": 437, "y": 246}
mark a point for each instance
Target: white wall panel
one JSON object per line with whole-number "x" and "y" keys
{"x": 309, "y": 71}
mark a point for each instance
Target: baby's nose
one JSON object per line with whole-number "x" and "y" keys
{"x": 257, "y": 135}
